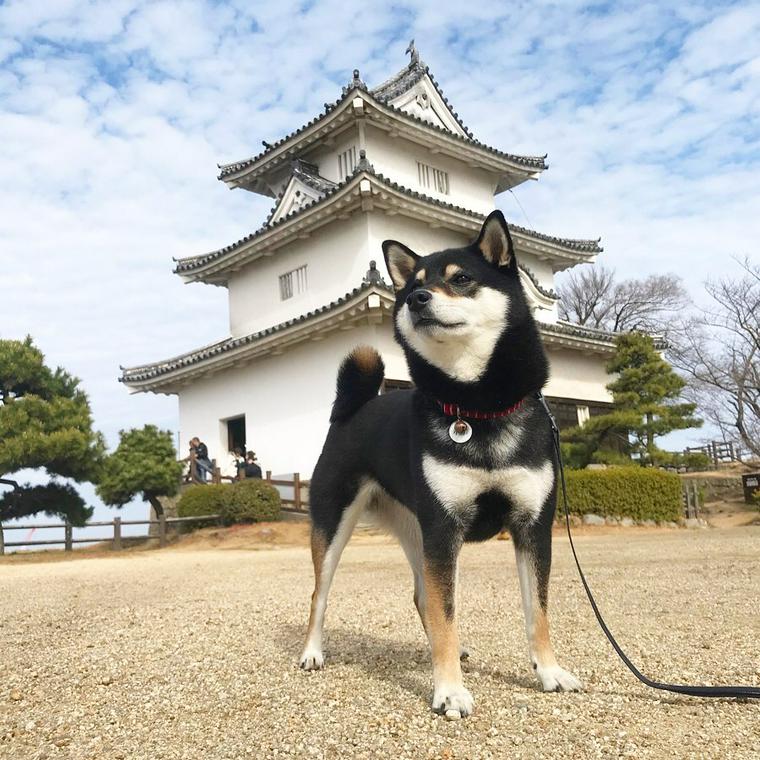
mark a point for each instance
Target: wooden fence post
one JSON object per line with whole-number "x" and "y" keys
{"x": 297, "y": 491}
{"x": 162, "y": 530}
{"x": 216, "y": 475}
{"x": 193, "y": 468}
{"x": 116, "y": 534}
{"x": 269, "y": 475}
{"x": 68, "y": 535}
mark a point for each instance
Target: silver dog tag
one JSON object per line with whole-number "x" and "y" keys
{"x": 460, "y": 431}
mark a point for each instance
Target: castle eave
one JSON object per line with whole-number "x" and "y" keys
{"x": 250, "y": 173}
{"x": 588, "y": 340}
{"x": 369, "y": 303}
{"x": 369, "y": 190}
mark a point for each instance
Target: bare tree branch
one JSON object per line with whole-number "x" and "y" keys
{"x": 590, "y": 296}
{"x": 719, "y": 351}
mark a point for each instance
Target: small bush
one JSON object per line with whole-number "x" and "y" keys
{"x": 251, "y": 500}
{"x": 201, "y": 500}
{"x": 636, "y": 492}
{"x": 607, "y": 456}
{"x": 696, "y": 461}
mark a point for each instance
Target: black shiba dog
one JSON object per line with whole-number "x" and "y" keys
{"x": 464, "y": 455}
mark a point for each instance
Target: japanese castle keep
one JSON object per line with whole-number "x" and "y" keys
{"x": 394, "y": 161}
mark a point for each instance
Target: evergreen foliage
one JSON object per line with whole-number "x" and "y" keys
{"x": 143, "y": 464}
{"x": 641, "y": 494}
{"x": 244, "y": 501}
{"x": 645, "y": 395}
{"x": 45, "y": 423}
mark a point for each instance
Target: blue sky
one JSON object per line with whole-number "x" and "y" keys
{"x": 114, "y": 114}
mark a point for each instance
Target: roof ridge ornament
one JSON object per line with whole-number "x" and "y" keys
{"x": 415, "y": 55}
{"x": 363, "y": 165}
{"x": 373, "y": 276}
{"x": 356, "y": 83}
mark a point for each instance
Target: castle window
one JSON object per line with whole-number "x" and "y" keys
{"x": 346, "y": 162}
{"x": 432, "y": 178}
{"x": 293, "y": 283}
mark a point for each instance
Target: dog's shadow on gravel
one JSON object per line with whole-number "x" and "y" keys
{"x": 405, "y": 664}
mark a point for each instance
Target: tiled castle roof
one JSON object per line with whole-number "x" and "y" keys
{"x": 363, "y": 167}
{"x": 157, "y": 369}
{"x": 383, "y": 94}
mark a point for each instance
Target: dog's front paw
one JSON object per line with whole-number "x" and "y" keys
{"x": 556, "y": 678}
{"x": 453, "y": 702}
{"x": 312, "y": 659}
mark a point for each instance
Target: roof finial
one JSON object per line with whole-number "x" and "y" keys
{"x": 355, "y": 83}
{"x": 364, "y": 165}
{"x": 373, "y": 276}
{"x": 414, "y": 53}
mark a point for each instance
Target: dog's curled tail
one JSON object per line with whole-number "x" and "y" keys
{"x": 359, "y": 379}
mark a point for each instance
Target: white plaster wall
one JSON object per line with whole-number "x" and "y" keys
{"x": 396, "y": 158}
{"x": 326, "y": 156}
{"x": 418, "y": 236}
{"x": 574, "y": 374}
{"x": 286, "y": 399}
{"x": 337, "y": 257}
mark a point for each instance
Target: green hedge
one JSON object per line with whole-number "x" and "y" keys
{"x": 244, "y": 501}
{"x": 201, "y": 500}
{"x": 251, "y": 500}
{"x": 637, "y": 492}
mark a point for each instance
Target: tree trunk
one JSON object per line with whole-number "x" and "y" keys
{"x": 650, "y": 437}
{"x": 156, "y": 504}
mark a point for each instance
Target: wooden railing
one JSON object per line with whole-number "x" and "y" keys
{"x": 68, "y": 539}
{"x": 299, "y": 502}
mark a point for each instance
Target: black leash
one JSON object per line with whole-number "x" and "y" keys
{"x": 752, "y": 692}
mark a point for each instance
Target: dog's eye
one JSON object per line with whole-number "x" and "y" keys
{"x": 462, "y": 279}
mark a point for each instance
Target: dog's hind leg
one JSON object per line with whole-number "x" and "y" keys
{"x": 533, "y": 567}
{"x": 326, "y": 550}
{"x": 403, "y": 524}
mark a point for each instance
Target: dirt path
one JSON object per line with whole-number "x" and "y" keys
{"x": 188, "y": 653}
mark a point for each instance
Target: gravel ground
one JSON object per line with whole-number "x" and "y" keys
{"x": 192, "y": 654}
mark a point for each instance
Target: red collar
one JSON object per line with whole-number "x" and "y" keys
{"x": 456, "y": 411}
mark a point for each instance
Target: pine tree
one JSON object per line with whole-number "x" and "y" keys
{"x": 45, "y": 423}
{"x": 645, "y": 395}
{"x": 144, "y": 464}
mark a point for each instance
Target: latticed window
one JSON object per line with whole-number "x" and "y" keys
{"x": 346, "y": 162}
{"x": 293, "y": 283}
{"x": 432, "y": 178}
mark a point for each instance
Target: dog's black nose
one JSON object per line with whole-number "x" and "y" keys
{"x": 418, "y": 299}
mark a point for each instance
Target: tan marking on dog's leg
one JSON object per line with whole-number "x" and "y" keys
{"x": 327, "y": 556}
{"x": 311, "y": 658}
{"x": 318, "y": 549}
{"x": 449, "y": 696}
{"x": 543, "y": 661}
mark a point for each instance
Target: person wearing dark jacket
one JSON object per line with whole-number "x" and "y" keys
{"x": 203, "y": 464}
{"x": 252, "y": 469}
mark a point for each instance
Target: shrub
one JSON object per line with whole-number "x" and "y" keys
{"x": 607, "y": 456}
{"x": 251, "y": 500}
{"x": 201, "y": 500}
{"x": 696, "y": 461}
{"x": 636, "y": 492}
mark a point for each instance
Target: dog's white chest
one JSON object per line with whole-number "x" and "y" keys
{"x": 457, "y": 487}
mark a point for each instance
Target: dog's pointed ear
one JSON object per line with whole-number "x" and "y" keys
{"x": 400, "y": 261}
{"x": 495, "y": 242}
